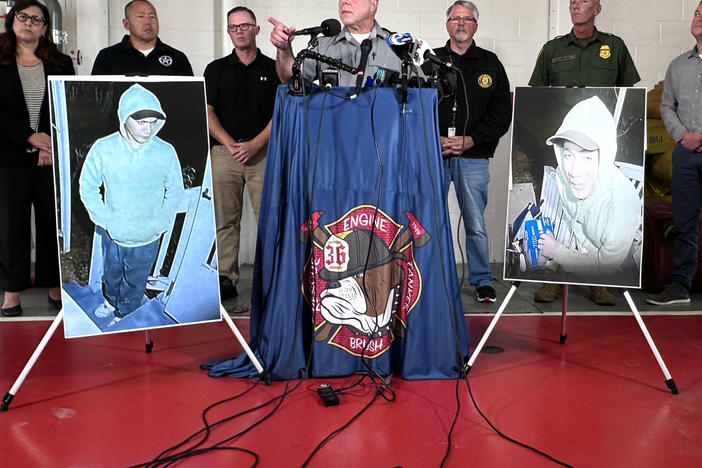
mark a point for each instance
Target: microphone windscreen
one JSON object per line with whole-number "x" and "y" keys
{"x": 331, "y": 26}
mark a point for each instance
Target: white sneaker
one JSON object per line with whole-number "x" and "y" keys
{"x": 104, "y": 310}
{"x": 114, "y": 320}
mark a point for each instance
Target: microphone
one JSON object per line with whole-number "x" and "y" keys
{"x": 330, "y": 78}
{"x": 433, "y": 58}
{"x": 401, "y": 45}
{"x": 329, "y": 27}
{"x": 366, "y": 47}
{"x": 410, "y": 49}
{"x": 419, "y": 50}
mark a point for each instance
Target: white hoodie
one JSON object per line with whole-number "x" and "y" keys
{"x": 605, "y": 222}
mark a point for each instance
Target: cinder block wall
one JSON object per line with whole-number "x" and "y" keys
{"x": 654, "y": 30}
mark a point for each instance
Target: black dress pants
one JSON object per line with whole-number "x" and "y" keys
{"x": 20, "y": 189}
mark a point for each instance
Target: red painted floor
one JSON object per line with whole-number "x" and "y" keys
{"x": 600, "y": 401}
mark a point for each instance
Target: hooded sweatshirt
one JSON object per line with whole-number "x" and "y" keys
{"x": 605, "y": 222}
{"x": 143, "y": 186}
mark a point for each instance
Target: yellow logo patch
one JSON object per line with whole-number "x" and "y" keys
{"x": 485, "y": 80}
{"x": 605, "y": 53}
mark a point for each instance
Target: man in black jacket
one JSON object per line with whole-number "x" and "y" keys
{"x": 141, "y": 52}
{"x": 471, "y": 121}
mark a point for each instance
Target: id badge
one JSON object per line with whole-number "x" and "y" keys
{"x": 451, "y": 132}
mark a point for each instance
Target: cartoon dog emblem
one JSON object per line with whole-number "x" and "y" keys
{"x": 364, "y": 274}
{"x": 362, "y": 295}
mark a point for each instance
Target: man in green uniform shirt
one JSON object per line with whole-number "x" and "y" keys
{"x": 584, "y": 57}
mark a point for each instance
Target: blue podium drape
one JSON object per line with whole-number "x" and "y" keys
{"x": 354, "y": 261}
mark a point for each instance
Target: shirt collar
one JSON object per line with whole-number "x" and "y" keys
{"x": 234, "y": 59}
{"x": 126, "y": 43}
{"x": 345, "y": 34}
{"x": 468, "y": 53}
{"x": 595, "y": 37}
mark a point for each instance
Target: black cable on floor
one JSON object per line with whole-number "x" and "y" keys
{"x": 453, "y": 424}
{"x": 514, "y": 441}
{"x": 336, "y": 431}
{"x": 165, "y": 461}
{"x": 207, "y": 427}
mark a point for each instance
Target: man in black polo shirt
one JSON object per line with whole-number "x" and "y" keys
{"x": 467, "y": 155}
{"x": 241, "y": 89}
{"x": 141, "y": 52}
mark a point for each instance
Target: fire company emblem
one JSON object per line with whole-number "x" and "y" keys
{"x": 361, "y": 279}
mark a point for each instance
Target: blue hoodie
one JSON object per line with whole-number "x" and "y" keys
{"x": 143, "y": 186}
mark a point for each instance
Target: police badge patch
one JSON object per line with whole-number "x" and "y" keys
{"x": 605, "y": 52}
{"x": 485, "y": 80}
{"x": 165, "y": 60}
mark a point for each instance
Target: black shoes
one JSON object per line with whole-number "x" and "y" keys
{"x": 15, "y": 311}
{"x": 227, "y": 290}
{"x": 485, "y": 294}
{"x": 55, "y": 303}
{"x": 672, "y": 294}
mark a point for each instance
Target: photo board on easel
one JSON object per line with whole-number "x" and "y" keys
{"x": 575, "y": 203}
{"x": 134, "y": 203}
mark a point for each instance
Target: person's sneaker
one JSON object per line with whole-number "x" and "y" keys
{"x": 601, "y": 295}
{"x": 485, "y": 294}
{"x": 227, "y": 290}
{"x": 672, "y": 294}
{"x": 104, "y": 310}
{"x": 114, "y": 320}
{"x": 548, "y": 292}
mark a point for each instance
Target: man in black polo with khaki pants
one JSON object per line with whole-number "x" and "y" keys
{"x": 241, "y": 90}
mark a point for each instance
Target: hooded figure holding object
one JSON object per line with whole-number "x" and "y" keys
{"x": 601, "y": 201}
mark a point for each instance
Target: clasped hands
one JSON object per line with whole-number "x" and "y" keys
{"x": 42, "y": 142}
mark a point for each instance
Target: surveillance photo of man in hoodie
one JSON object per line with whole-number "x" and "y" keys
{"x": 131, "y": 185}
{"x": 575, "y": 209}
{"x": 601, "y": 202}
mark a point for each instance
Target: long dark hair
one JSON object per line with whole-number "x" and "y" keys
{"x": 46, "y": 49}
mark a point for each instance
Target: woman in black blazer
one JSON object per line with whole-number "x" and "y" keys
{"x": 27, "y": 57}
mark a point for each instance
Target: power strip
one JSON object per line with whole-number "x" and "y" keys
{"x": 327, "y": 394}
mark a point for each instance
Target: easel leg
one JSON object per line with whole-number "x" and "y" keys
{"x": 7, "y": 398}
{"x": 564, "y": 335}
{"x": 148, "y": 344}
{"x": 669, "y": 379}
{"x": 240, "y": 338}
{"x": 486, "y": 335}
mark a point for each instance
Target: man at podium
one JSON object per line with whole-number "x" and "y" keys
{"x": 358, "y": 18}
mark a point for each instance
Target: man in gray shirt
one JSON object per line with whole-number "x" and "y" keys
{"x": 681, "y": 107}
{"x": 358, "y": 18}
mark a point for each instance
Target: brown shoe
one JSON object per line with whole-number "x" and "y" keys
{"x": 548, "y": 292}
{"x": 602, "y": 296}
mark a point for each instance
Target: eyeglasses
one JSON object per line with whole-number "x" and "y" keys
{"x": 465, "y": 19}
{"x": 23, "y": 17}
{"x": 242, "y": 26}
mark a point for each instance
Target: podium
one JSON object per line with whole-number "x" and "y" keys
{"x": 354, "y": 259}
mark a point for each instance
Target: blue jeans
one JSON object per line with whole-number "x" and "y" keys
{"x": 687, "y": 202}
{"x": 470, "y": 178}
{"x": 125, "y": 272}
